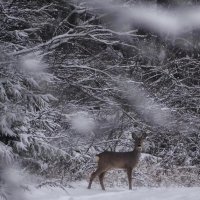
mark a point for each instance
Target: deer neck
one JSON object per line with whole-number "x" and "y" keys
{"x": 137, "y": 150}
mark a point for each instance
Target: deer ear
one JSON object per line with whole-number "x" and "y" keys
{"x": 135, "y": 136}
{"x": 144, "y": 135}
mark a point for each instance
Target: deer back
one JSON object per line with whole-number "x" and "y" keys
{"x": 111, "y": 160}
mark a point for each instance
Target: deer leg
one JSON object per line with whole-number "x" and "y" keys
{"x": 129, "y": 173}
{"x": 101, "y": 176}
{"x": 93, "y": 175}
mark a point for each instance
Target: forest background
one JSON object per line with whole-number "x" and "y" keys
{"x": 78, "y": 77}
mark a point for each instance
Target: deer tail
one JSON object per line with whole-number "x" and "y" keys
{"x": 97, "y": 158}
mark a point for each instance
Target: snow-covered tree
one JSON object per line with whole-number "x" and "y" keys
{"x": 110, "y": 73}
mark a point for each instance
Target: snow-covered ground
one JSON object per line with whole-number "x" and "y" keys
{"x": 79, "y": 192}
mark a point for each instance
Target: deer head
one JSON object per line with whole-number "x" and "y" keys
{"x": 139, "y": 139}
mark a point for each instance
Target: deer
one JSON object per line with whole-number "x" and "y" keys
{"x": 109, "y": 160}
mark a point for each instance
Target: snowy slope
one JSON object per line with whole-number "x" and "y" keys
{"x": 79, "y": 192}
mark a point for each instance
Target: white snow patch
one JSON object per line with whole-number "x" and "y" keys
{"x": 145, "y": 105}
{"x": 82, "y": 122}
{"x": 13, "y": 179}
{"x": 79, "y": 192}
{"x": 12, "y": 175}
{"x": 169, "y": 21}
{"x": 32, "y": 63}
